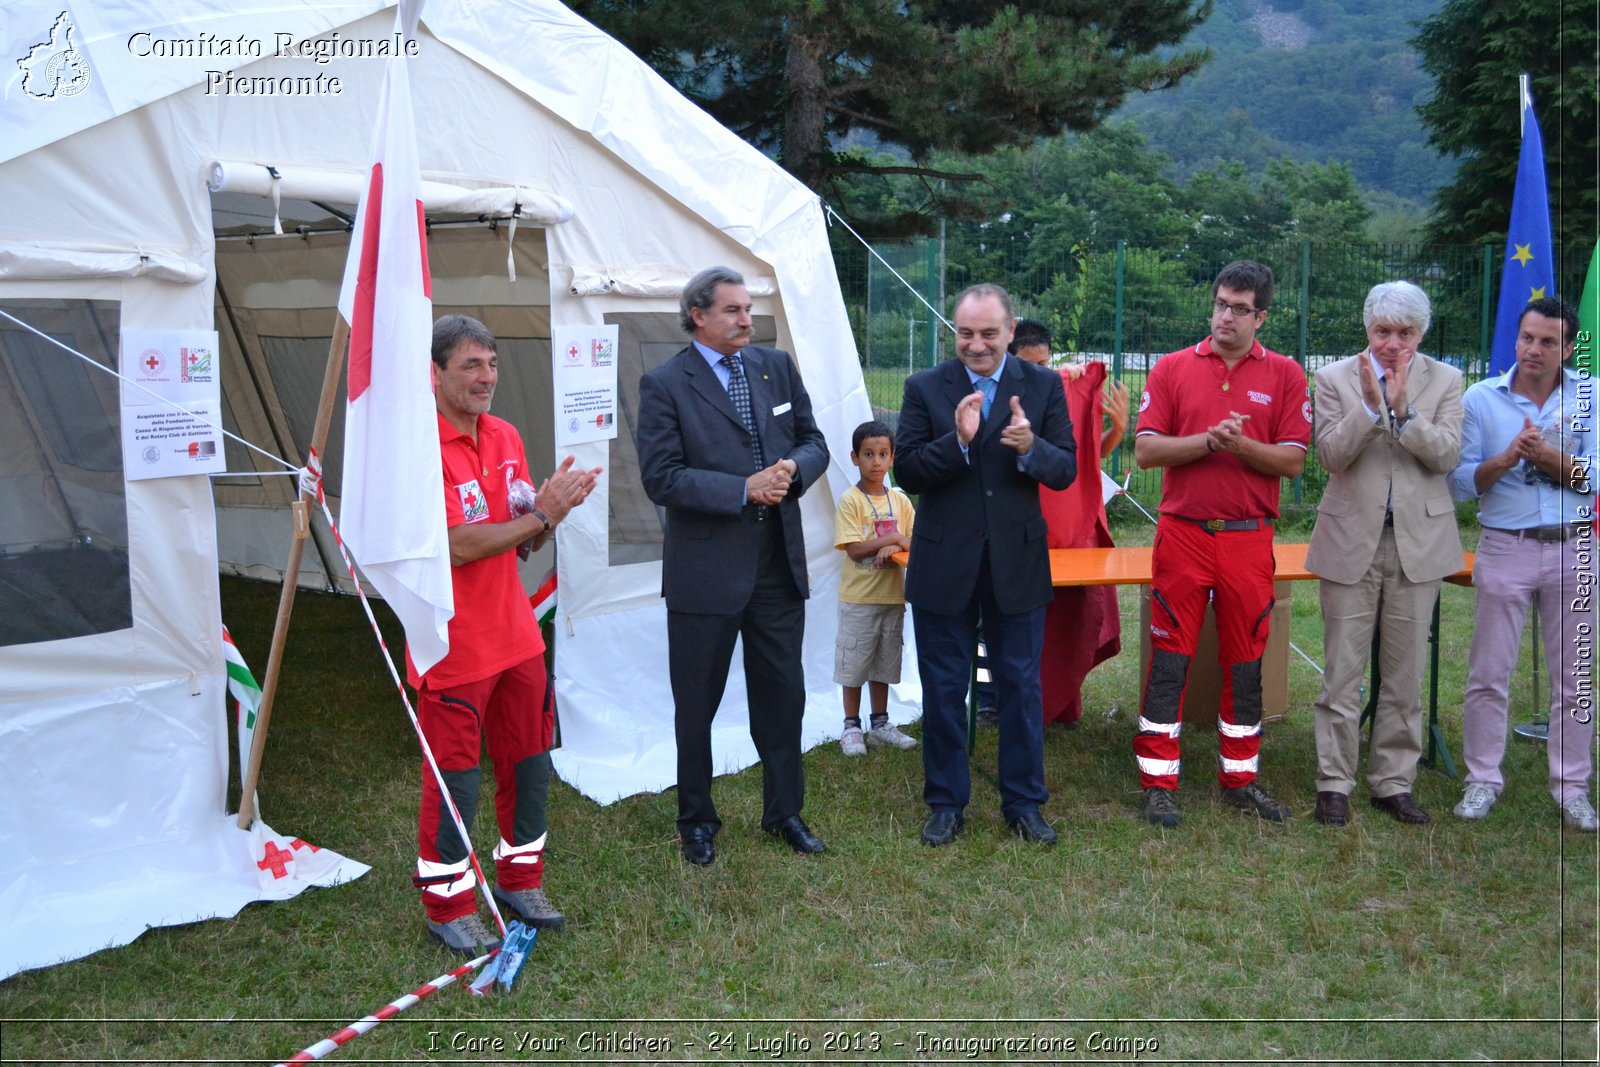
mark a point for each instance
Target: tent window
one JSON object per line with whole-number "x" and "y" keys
{"x": 297, "y": 366}
{"x": 63, "y": 514}
{"x": 645, "y": 340}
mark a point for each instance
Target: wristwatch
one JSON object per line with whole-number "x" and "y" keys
{"x": 542, "y": 517}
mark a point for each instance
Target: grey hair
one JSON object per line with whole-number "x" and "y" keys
{"x": 1398, "y": 304}
{"x": 452, "y": 330}
{"x": 983, "y": 289}
{"x": 702, "y": 290}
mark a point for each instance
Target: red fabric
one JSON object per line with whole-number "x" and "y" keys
{"x": 513, "y": 710}
{"x": 1082, "y": 627}
{"x": 1192, "y": 390}
{"x": 493, "y": 627}
{"x": 1234, "y": 569}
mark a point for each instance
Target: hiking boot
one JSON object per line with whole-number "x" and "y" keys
{"x": 1579, "y": 814}
{"x": 853, "y": 743}
{"x": 1161, "y": 806}
{"x": 463, "y": 935}
{"x": 1476, "y": 802}
{"x": 532, "y": 906}
{"x": 889, "y": 736}
{"x": 1253, "y": 800}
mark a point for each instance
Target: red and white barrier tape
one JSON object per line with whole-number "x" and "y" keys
{"x": 427, "y": 751}
{"x": 394, "y": 1007}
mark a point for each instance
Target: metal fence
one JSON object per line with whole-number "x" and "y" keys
{"x": 1126, "y": 305}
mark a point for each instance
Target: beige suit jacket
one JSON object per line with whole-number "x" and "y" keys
{"x": 1364, "y": 459}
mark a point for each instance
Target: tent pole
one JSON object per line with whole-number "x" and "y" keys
{"x": 291, "y": 575}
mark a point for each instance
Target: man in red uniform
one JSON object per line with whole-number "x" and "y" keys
{"x": 493, "y": 679}
{"x": 1227, "y": 419}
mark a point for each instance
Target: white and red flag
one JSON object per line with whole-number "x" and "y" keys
{"x": 392, "y": 514}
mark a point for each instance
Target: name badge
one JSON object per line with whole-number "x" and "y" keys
{"x": 781, "y": 408}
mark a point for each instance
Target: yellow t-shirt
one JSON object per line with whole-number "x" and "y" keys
{"x": 863, "y": 518}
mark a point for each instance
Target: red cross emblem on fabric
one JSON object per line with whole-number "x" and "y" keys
{"x": 276, "y": 859}
{"x": 298, "y": 844}
{"x": 472, "y": 500}
{"x": 152, "y": 363}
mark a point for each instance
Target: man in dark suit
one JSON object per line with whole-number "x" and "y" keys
{"x": 978, "y": 435}
{"x": 727, "y": 445}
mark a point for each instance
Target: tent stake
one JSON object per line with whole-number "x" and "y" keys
{"x": 291, "y": 575}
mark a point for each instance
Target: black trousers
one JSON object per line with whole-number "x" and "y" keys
{"x": 700, "y": 650}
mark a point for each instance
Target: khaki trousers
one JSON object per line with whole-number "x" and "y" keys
{"x": 1404, "y": 612}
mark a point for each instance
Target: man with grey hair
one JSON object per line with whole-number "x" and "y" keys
{"x": 1388, "y": 432}
{"x": 493, "y": 681}
{"x": 727, "y": 445}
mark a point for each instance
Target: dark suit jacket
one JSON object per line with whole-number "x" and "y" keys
{"x": 694, "y": 457}
{"x": 965, "y": 504}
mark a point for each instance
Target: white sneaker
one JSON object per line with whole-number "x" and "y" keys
{"x": 890, "y": 736}
{"x": 1579, "y": 814}
{"x": 852, "y": 743}
{"x": 1476, "y": 803}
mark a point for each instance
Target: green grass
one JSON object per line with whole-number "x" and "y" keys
{"x": 1225, "y": 940}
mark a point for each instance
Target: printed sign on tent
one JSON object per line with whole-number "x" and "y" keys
{"x": 171, "y": 404}
{"x": 584, "y": 372}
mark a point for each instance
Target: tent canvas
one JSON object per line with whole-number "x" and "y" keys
{"x": 111, "y": 222}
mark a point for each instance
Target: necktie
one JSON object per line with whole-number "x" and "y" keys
{"x": 739, "y": 393}
{"x": 986, "y": 386}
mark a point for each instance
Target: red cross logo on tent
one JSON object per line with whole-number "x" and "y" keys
{"x": 152, "y": 361}
{"x": 298, "y": 844}
{"x": 275, "y": 858}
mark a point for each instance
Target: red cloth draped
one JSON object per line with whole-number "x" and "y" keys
{"x": 1082, "y": 626}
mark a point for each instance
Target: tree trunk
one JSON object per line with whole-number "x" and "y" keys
{"x": 805, "y": 147}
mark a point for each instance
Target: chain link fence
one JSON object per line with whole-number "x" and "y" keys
{"x": 1125, "y": 306}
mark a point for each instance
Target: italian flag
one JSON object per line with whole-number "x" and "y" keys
{"x": 246, "y": 692}
{"x": 544, "y": 601}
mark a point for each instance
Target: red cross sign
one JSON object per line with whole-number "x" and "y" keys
{"x": 275, "y": 858}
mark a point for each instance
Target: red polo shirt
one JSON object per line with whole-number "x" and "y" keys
{"x": 1192, "y": 390}
{"x": 493, "y": 627}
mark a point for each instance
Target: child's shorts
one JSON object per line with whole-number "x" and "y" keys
{"x": 869, "y": 643}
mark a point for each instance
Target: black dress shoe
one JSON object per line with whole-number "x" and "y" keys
{"x": 1402, "y": 807}
{"x": 1333, "y": 809}
{"x": 1030, "y": 826}
{"x": 798, "y": 835}
{"x": 942, "y": 827}
{"x": 697, "y": 846}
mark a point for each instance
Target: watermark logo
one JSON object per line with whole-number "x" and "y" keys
{"x": 55, "y": 69}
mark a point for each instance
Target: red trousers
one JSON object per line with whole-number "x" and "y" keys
{"x": 1233, "y": 569}
{"x": 514, "y": 711}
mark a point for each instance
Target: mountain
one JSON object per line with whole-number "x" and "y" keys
{"x": 1325, "y": 81}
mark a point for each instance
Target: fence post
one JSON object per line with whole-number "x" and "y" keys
{"x": 934, "y": 262}
{"x": 1485, "y": 303}
{"x": 1116, "y": 344}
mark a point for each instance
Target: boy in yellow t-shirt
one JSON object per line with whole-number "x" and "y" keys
{"x": 873, "y": 522}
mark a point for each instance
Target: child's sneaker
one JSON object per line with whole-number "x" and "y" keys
{"x": 852, "y": 742}
{"x": 890, "y": 736}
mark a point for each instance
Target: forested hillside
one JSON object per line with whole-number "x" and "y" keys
{"x": 1326, "y": 81}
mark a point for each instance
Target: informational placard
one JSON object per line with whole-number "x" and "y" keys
{"x": 171, "y": 402}
{"x": 584, "y": 370}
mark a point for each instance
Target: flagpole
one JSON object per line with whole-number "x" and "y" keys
{"x": 291, "y": 574}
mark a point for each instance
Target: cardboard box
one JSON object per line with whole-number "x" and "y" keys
{"x": 1205, "y": 674}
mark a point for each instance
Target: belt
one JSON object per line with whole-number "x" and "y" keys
{"x": 1228, "y": 525}
{"x": 1556, "y": 532}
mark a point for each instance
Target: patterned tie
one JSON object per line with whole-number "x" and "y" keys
{"x": 986, "y": 386}
{"x": 739, "y": 393}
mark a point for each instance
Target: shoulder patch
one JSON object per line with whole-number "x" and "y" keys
{"x": 474, "y": 507}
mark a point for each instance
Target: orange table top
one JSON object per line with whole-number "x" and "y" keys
{"x": 1131, "y": 565}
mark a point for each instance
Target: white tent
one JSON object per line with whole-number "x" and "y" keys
{"x": 115, "y": 117}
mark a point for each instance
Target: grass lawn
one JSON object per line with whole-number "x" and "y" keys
{"x": 1225, "y": 940}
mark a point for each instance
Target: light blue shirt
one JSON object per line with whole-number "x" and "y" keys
{"x": 1022, "y": 461}
{"x": 713, "y": 357}
{"x": 1492, "y": 415}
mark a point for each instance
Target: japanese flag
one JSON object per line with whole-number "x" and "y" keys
{"x": 393, "y": 516}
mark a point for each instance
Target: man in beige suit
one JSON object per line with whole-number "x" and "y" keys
{"x": 1388, "y": 430}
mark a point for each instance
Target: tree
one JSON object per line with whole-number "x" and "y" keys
{"x": 1475, "y": 49}
{"x": 794, "y": 77}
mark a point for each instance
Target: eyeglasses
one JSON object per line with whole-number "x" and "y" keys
{"x": 1238, "y": 310}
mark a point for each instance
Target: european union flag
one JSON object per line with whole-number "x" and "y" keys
{"x": 1529, "y": 269}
